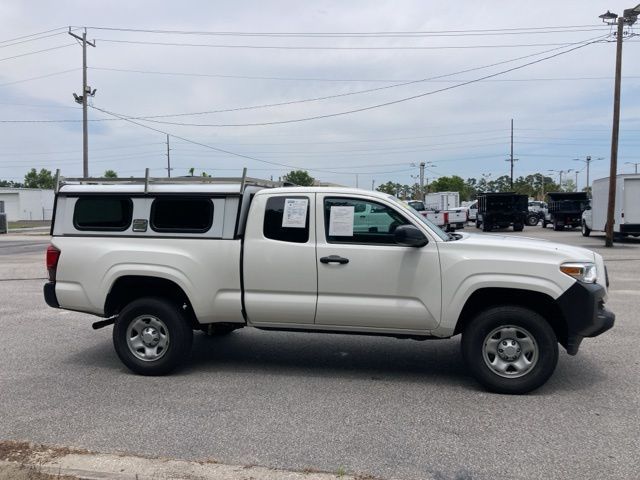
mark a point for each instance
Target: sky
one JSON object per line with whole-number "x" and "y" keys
{"x": 357, "y": 93}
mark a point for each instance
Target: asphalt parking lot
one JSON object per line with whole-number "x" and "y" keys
{"x": 385, "y": 407}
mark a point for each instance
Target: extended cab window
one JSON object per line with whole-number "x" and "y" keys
{"x": 103, "y": 213}
{"x": 287, "y": 219}
{"x": 181, "y": 214}
{"x": 349, "y": 220}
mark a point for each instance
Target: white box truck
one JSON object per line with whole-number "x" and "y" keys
{"x": 449, "y": 203}
{"x": 442, "y": 200}
{"x": 627, "y": 211}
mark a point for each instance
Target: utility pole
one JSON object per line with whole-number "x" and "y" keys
{"x": 629, "y": 17}
{"x": 86, "y": 91}
{"x": 373, "y": 184}
{"x": 588, "y": 161}
{"x": 577, "y": 172}
{"x": 356, "y": 180}
{"x": 168, "y": 158}
{"x": 635, "y": 164}
{"x": 422, "y": 165}
{"x": 511, "y": 159}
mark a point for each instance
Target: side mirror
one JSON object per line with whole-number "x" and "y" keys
{"x": 410, "y": 236}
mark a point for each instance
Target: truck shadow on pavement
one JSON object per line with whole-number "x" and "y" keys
{"x": 432, "y": 362}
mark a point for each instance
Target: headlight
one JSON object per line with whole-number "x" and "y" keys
{"x": 585, "y": 272}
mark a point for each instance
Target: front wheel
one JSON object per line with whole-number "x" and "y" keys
{"x": 518, "y": 227}
{"x": 586, "y": 231}
{"x": 151, "y": 336}
{"x": 510, "y": 349}
{"x": 532, "y": 220}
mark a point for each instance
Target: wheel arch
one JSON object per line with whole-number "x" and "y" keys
{"x": 541, "y": 303}
{"x": 128, "y": 288}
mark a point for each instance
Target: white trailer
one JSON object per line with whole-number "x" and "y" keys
{"x": 627, "y": 211}
{"x": 442, "y": 201}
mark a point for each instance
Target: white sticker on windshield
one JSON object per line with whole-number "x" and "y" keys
{"x": 295, "y": 213}
{"x": 341, "y": 222}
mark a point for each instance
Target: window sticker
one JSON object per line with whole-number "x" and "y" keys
{"x": 341, "y": 221}
{"x": 295, "y": 213}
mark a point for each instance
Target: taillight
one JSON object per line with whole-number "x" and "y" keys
{"x": 53, "y": 255}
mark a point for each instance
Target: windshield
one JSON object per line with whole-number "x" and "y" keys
{"x": 415, "y": 214}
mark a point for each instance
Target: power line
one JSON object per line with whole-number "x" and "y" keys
{"x": 33, "y": 34}
{"x": 326, "y": 97}
{"x": 303, "y": 47}
{"x": 211, "y": 147}
{"x": 31, "y": 40}
{"x": 37, "y": 51}
{"x": 518, "y": 30}
{"x": 345, "y": 80}
{"x": 39, "y": 77}
{"x": 380, "y": 105}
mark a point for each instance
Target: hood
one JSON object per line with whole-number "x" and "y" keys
{"x": 536, "y": 247}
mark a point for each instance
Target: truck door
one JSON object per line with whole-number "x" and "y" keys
{"x": 631, "y": 203}
{"x": 365, "y": 279}
{"x": 279, "y": 260}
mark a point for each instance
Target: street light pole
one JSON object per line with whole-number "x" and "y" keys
{"x": 628, "y": 17}
{"x": 613, "y": 168}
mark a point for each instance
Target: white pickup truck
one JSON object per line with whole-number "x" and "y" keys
{"x": 448, "y": 220}
{"x": 160, "y": 260}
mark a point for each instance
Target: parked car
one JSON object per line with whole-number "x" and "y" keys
{"x": 501, "y": 210}
{"x": 627, "y": 208}
{"x": 565, "y": 209}
{"x": 472, "y": 211}
{"x": 159, "y": 260}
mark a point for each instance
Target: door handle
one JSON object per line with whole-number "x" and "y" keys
{"x": 334, "y": 259}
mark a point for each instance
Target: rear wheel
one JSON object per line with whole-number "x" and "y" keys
{"x": 518, "y": 227}
{"x": 586, "y": 231}
{"x": 486, "y": 227}
{"x": 544, "y": 224}
{"x": 532, "y": 220}
{"x": 510, "y": 349}
{"x": 557, "y": 227}
{"x": 477, "y": 223}
{"x": 151, "y": 336}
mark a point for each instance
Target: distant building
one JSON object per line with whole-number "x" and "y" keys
{"x": 27, "y": 203}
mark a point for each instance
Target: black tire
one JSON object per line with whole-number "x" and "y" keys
{"x": 557, "y": 227}
{"x": 586, "y": 231}
{"x": 166, "y": 323}
{"x": 478, "y": 224}
{"x": 544, "y": 224}
{"x": 532, "y": 220}
{"x": 486, "y": 227}
{"x": 506, "y": 319}
{"x": 518, "y": 227}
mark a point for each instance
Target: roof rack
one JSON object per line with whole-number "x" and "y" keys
{"x": 244, "y": 181}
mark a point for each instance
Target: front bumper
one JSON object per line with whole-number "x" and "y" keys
{"x": 583, "y": 308}
{"x": 49, "y": 290}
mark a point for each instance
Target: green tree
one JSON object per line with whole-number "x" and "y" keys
{"x": 42, "y": 179}
{"x": 191, "y": 170}
{"x": 110, "y": 174}
{"x": 11, "y": 184}
{"x": 500, "y": 184}
{"x": 390, "y": 188}
{"x": 299, "y": 177}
